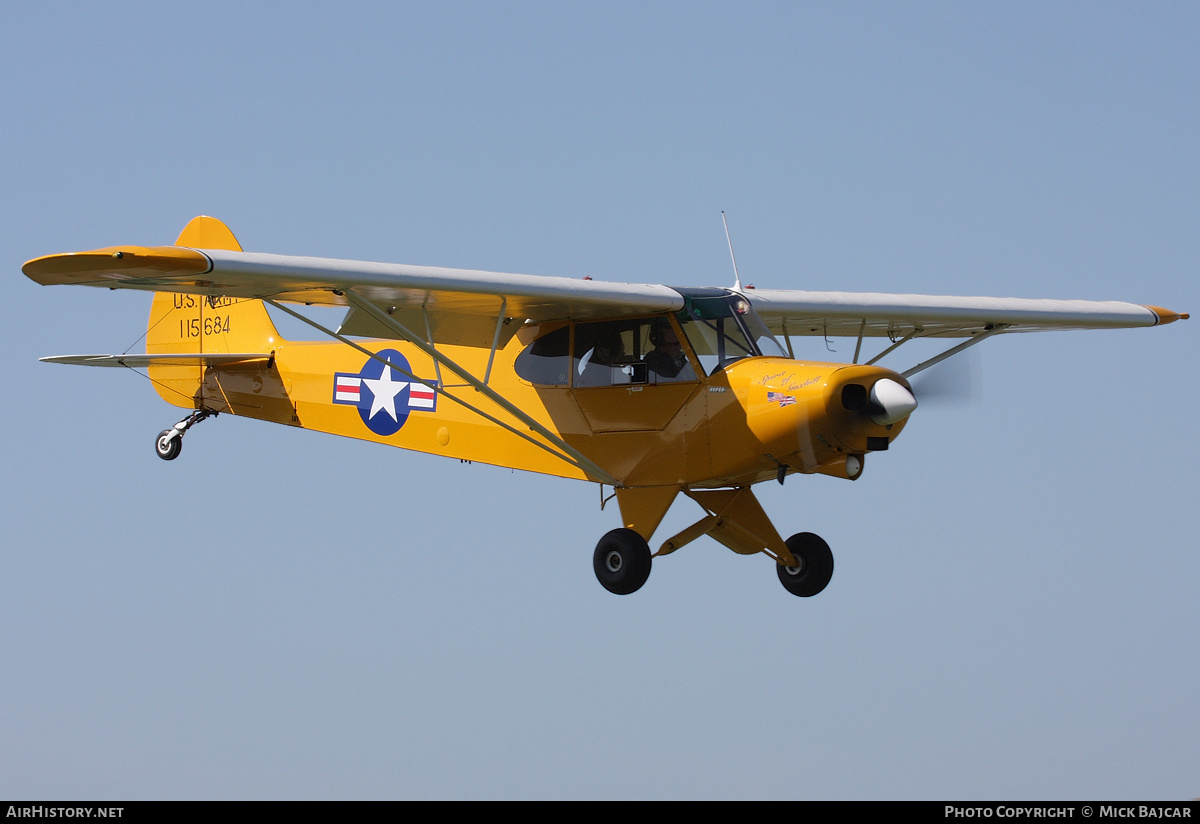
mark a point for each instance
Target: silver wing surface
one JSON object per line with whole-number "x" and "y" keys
{"x": 466, "y": 307}
{"x": 849, "y": 314}
{"x": 455, "y": 306}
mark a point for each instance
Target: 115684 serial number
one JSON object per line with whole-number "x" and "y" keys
{"x": 195, "y": 327}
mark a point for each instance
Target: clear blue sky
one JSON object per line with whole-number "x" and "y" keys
{"x": 283, "y": 614}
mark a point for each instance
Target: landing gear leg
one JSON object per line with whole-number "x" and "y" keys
{"x": 814, "y": 565}
{"x": 169, "y": 442}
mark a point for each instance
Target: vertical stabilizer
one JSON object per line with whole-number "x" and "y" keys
{"x": 187, "y": 324}
{"x": 205, "y": 232}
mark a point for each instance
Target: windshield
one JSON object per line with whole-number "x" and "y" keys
{"x": 722, "y": 328}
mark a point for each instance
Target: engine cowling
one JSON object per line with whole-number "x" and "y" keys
{"x": 821, "y": 417}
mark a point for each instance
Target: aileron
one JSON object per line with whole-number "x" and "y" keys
{"x": 844, "y": 313}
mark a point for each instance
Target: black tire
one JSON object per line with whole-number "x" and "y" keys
{"x": 167, "y": 447}
{"x": 622, "y": 561}
{"x": 815, "y": 569}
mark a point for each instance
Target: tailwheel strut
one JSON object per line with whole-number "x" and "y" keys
{"x": 169, "y": 442}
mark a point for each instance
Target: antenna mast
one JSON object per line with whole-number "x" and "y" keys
{"x": 737, "y": 280}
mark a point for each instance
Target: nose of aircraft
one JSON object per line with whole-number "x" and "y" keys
{"x": 890, "y": 402}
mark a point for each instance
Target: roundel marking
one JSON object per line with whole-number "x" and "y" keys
{"x": 384, "y": 395}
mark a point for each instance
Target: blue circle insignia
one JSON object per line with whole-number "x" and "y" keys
{"x": 383, "y": 394}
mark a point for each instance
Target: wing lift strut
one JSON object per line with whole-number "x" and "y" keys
{"x": 553, "y": 443}
{"x": 936, "y": 359}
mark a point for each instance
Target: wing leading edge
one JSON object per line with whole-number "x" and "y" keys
{"x": 842, "y": 314}
{"x": 466, "y": 306}
{"x": 464, "y": 303}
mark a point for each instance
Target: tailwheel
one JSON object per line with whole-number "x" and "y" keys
{"x": 814, "y": 565}
{"x": 622, "y": 561}
{"x": 168, "y": 444}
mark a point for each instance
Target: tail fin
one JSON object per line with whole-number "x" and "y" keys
{"x": 183, "y": 324}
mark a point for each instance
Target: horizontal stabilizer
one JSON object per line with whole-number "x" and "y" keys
{"x": 139, "y": 360}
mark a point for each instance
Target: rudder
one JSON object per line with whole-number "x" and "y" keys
{"x": 188, "y": 324}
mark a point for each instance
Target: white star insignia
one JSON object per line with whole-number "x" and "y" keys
{"x": 384, "y": 391}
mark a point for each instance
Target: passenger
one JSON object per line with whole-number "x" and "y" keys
{"x": 599, "y": 365}
{"x": 667, "y": 359}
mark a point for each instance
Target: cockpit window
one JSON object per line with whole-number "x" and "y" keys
{"x": 602, "y": 355}
{"x": 641, "y": 350}
{"x": 547, "y": 361}
{"x": 720, "y": 325}
{"x": 763, "y": 339}
{"x": 607, "y": 353}
{"x": 723, "y": 328}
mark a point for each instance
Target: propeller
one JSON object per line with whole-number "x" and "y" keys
{"x": 954, "y": 381}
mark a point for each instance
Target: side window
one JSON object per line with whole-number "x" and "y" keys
{"x": 666, "y": 359}
{"x": 640, "y": 351}
{"x": 605, "y": 355}
{"x": 547, "y": 360}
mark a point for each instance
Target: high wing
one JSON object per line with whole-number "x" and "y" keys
{"x": 450, "y": 306}
{"x": 870, "y": 314}
{"x": 479, "y": 308}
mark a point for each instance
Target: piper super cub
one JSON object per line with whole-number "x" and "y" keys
{"x": 649, "y": 389}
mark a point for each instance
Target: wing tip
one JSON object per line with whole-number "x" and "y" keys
{"x": 1166, "y": 315}
{"x": 114, "y": 264}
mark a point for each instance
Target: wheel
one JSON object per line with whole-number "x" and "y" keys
{"x": 167, "y": 447}
{"x": 815, "y": 565}
{"x": 622, "y": 561}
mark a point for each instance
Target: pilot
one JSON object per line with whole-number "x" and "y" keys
{"x": 667, "y": 359}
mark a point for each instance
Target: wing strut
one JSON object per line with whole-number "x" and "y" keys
{"x": 787, "y": 339}
{"x": 487, "y": 374}
{"x": 564, "y": 450}
{"x": 894, "y": 346}
{"x": 862, "y": 328}
{"x": 577, "y": 457}
{"x": 954, "y": 350}
{"x": 437, "y": 369}
{"x": 495, "y": 339}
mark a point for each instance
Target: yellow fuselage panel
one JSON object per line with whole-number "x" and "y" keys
{"x": 734, "y": 428}
{"x": 632, "y": 407}
{"x": 337, "y": 389}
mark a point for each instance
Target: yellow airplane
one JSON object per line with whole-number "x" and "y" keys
{"x": 648, "y": 389}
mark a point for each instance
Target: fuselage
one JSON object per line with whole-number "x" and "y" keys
{"x": 701, "y": 423}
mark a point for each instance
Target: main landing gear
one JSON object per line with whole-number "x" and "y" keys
{"x": 170, "y": 441}
{"x": 814, "y": 565}
{"x": 734, "y": 518}
{"x": 622, "y": 561}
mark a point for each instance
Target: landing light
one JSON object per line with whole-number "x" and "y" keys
{"x": 854, "y": 466}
